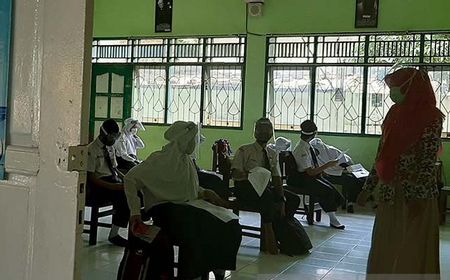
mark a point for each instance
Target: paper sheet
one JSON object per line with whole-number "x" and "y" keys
{"x": 223, "y": 214}
{"x": 358, "y": 170}
{"x": 259, "y": 177}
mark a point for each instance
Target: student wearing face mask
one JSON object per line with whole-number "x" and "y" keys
{"x": 192, "y": 217}
{"x": 403, "y": 181}
{"x": 273, "y": 196}
{"x": 309, "y": 178}
{"x": 127, "y": 145}
{"x": 104, "y": 181}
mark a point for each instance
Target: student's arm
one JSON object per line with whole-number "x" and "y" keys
{"x": 138, "y": 142}
{"x": 237, "y": 167}
{"x": 98, "y": 182}
{"x": 316, "y": 171}
{"x": 132, "y": 187}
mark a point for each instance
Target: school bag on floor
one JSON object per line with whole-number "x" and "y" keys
{"x": 144, "y": 261}
{"x": 292, "y": 237}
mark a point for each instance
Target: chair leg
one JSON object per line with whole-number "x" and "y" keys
{"x": 310, "y": 212}
{"x": 93, "y": 228}
{"x": 262, "y": 245}
{"x": 318, "y": 215}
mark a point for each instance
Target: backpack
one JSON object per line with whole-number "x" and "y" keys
{"x": 292, "y": 237}
{"x": 221, "y": 157}
{"x": 144, "y": 261}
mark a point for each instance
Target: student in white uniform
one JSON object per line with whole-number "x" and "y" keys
{"x": 351, "y": 185}
{"x": 273, "y": 196}
{"x": 127, "y": 145}
{"x": 208, "y": 235}
{"x": 104, "y": 183}
{"x": 308, "y": 180}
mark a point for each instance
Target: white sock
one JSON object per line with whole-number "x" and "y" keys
{"x": 114, "y": 231}
{"x": 333, "y": 219}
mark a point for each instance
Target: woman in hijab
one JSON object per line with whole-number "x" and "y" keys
{"x": 127, "y": 145}
{"x": 207, "y": 234}
{"x": 403, "y": 181}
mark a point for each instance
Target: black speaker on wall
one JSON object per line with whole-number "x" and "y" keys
{"x": 163, "y": 15}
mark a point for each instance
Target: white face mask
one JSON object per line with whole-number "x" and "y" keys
{"x": 395, "y": 93}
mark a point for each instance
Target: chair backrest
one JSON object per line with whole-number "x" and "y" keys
{"x": 222, "y": 158}
{"x": 287, "y": 163}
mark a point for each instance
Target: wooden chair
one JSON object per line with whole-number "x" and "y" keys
{"x": 310, "y": 206}
{"x": 97, "y": 212}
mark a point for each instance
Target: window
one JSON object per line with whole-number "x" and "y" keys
{"x": 189, "y": 79}
{"x": 338, "y": 80}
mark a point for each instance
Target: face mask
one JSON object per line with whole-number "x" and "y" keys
{"x": 395, "y": 93}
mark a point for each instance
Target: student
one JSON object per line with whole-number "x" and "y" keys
{"x": 207, "y": 234}
{"x": 127, "y": 145}
{"x": 309, "y": 178}
{"x": 273, "y": 197}
{"x": 338, "y": 174}
{"x": 406, "y": 230}
{"x": 104, "y": 182}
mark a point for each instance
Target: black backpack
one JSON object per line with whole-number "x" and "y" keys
{"x": 292, "y": 237}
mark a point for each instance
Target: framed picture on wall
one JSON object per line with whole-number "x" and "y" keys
{"x": 366, "y": 13}
{"x": 163, "y": 15}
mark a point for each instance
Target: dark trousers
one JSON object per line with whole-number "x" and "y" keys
{"x": 267, "y": 204}
{"x": 99, "y": 196}
{"x": 206, "y": 243}
{"x": 351, "y": 186}
{"x": 328, "y": 197}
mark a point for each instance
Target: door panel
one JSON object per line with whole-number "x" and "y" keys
{"x": 110, "y": 95}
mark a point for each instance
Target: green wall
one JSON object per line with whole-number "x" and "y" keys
{"x": 134, "y": 18}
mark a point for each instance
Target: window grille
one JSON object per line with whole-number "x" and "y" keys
{"x": 337, "y": 80}
{"x": 190, "y": 79}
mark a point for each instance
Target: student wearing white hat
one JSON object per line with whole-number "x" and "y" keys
{"x": 308, "y": 179}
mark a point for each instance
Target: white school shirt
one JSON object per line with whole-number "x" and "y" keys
{"x": 303, "y": 156}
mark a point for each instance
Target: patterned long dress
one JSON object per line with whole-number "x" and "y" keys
{"x": 405, "y": 236}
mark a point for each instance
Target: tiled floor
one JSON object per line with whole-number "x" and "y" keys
{"x": 337, "y": 255}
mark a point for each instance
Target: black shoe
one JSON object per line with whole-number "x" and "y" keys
{"x": 337, "y": 227}
{"x": 350, "y": 209}
{"x": 118, "y": 241}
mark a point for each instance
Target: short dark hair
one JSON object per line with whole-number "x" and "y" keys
{"x": 308, "y": 126}
{"x": 263, "y": 121}
{"x": 110, "y": 126}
